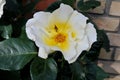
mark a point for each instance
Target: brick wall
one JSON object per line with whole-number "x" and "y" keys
{"x": 107, "y": 17}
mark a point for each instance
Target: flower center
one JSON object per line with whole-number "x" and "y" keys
{"x": 59, "y": 38}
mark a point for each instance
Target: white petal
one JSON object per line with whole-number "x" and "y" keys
{"x": 78, "y": 22}
{"x": 62, "y": 14}
{"x": 42, "y": 53}
{"x": 82, "y": 45}
{"x": 2, "y": 2}
{"x": 35, "y": 27}
{"x": 42, "y": 18}
{"x": 70, "y": 54}
{"x": 91, "y": 33}
{"x": 30, "y": 34}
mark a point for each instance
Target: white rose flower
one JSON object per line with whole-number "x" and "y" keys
{"x": 64, "y": 30}
{"x": 2, "y": 3}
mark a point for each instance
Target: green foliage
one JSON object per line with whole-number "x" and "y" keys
{"x": 69, "y": 2}
{"x": 86, "y": 5}
{"x": 78, "y": 71}
{"x": 86, "y": 70}
{"x": 56, "y": 4}
{"x": 15, "y": 53}
{"x": 53, "y": 6}
{"x": 104, "y": 38}
{"x": 6, "y": 31}
{"x": 12, "y": 5}
{"x": 43, "y": 69}
{"x": 93, "y": 72}
{"x": 94, "y": 52}
{"x": 64, "y": 71}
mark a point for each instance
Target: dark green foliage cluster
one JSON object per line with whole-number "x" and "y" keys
{"x": 18, "y": 55}
{"x": 86, "y": 5}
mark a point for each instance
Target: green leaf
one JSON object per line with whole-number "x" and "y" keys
{"x": 104, "y": 38}
{"x": 83, "y": 58}
{"x": 77, "y": 71}
{"x": 43, "y": 69}
{"x": 85, "y": 6}
{"x": 53, "y": 6}
{"x": 94, "y": 51}
{"x": 16, "y": 53}
{"x": 93, "y": 72}
{"x": 23, "y": 33}
{"x": 92, "y": 3}
{"x": 101, "y": 75}
{"x": 69, "y": 2}
{"x": 6, "y": 31}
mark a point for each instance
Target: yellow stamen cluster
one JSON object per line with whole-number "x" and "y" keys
{"x": 59, "y": 38}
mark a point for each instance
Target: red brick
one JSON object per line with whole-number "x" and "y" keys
{"x": 117, "y": 54}
{"x": 114, "y": 78}
{"x": 105, "y": 55}
{"x": 114, "y": 39}
{"x": 107, "y": 23}
{"x": 110, "y": 66}
{"x": 115, "y": 8}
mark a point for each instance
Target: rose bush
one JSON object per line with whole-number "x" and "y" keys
{"x": 64, "y": 30}
{"x": 68, "y": 42}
